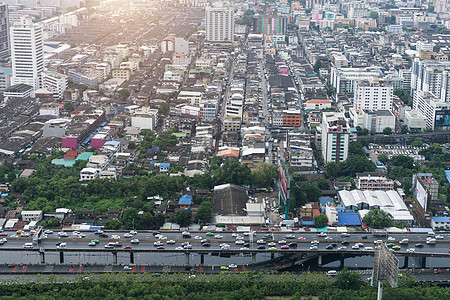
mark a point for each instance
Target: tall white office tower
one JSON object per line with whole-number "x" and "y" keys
{"x": 220, "y": 23}
{"x": 27, "y": 53}
{"x": 4, "y": 31}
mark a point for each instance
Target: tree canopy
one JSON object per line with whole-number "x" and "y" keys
{"x": 378, "y": 218}
{"x": 320, "y": 221}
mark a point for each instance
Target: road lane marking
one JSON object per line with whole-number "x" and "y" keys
{"x": 24, "y": 268}
{"x": 15, "y": 269}
{"x": 71, "y": 269}
{"x": 134, "y": 269}
{"x": 142, "y": 269}
{"x": 80, "y": 268}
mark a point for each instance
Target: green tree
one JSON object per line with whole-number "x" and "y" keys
{"x": 311, "y": 191}
{"x": 417, "y": 143}
{"x": 263, "y": 174}
{"x": 320, "y": 221}
{"x": 182, "y": 217}
{"x": 317, "y": 65}
{"x": 233, "y": 172}
{"x": 331, "y": 169}
{"x": 215, "y": 162}
{"x": 163, "y": 108}
{"x": 323, "y": 184}
{"x": 378, "y": 218}
{"x": 384, "y": 158}
{"x": 400, "y": 225}
{"x": 374, "y": 15}
{"x": 348, "y": 280}
{"x": 124, "y": 94}
{"x": 204, "y": 212}
{"x": 404, "y": 161}
{"x": 68, "y": 106}
{"x": 387, "y": 131}
{"x": 131, "y": 218}
{"x": 113, "y": 224}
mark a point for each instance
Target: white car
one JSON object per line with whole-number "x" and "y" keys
{"x": 75, "y": 233}
{"x": 218, "y": 236}
{"x": 187, "y": 246}
{"x": 244, "y": 248}
{"x": 411, "y": 250}
{"x": 170, "y": 242}
{"x": 197, "y": 237}
{"x": 232, "y": 266}
{"x": 163, "y": 237}
{"x": 63, "y": 234}
{"x": 271, "y": 244}
{"x": 48, "y": 231}
{"x": 179, "y": 248}
{"x": 282, "y": 242}
{"x": 127, "y": 268}
{"x": 261, "y": 242}
{"x": 342, "y": 248}
{"x": 157, "y": 244}
{"x": 323, "y": 234}
{"x": 239, "y": 237}
{"x": 127, "y": 235}
{"x": 355, "y": 247}
{"x": 134, "y": 241}
{"x": 115, "y": 237}
{"x": 439, "y": 237}
{"x": 234, "y": 234}
{"x": 92, "y": 244}
{"x": 133, "y": 232}
{"x": 368, "y": 248}
{"x": 328, "y": 238}
{"x": 239, "y": 242}
{"x": 313, "y": 248}
{"x": 391, "y": 238}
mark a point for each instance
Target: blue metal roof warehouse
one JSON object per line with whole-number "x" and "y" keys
{"x": 348, "y": 219}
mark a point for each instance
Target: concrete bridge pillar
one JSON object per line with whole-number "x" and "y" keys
{"x": 319, "y": 260}
{"x": 423, "y": 262}
{"x": 202, "y": 259}
{"x": 406, "y": 263}
{"x": 272, "y": 256}
{"x": 254, "y": 258}
{"x": 61, "y": 257}
{"x": 114, "y": 253}
{"x": 131, "y": 257}
{"x": 187, "y": 259}
{"x": 42, "y": 254}
{"x": 342, "y": 261}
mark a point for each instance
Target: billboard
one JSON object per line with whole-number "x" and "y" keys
{"x": 284, "y": 184}
{"x": 421, "y": 195}
{"x": 190, "y": 111}
{"x": 442, "y": 119}
{"x": 385, "y": 266}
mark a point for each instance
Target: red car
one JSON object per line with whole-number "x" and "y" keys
{"x": 160, "y": 247}
{"x": 127, "y": 247}
{"x": 285, "y": 247}
{"x": 437, "y": 271}
{"x": 3, "y": 233}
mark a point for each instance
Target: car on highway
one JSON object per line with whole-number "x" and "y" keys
{"x": 127, "y": 235}
{"x": 323, "y": 234}
{"x": 271, "y": 244}
{"x": 439, "y": 237}
{"x": 345, "y": 234}
{"x": 342, "y": 248}
{"x": 282, "y": 242}
{"x": 179, "y": 248}
{"x": 157, "y": 244}
{"x": 368, "y": 248}
{"x": 355, "y": 247}
{"x": 313, "y": 247}
{"x": 28, "y": 245}
{"x": 345, "y": 243}
{"x": 272, "y": 248}
{"x": 329, "y": 247}
{"x": 97, "y": 232}
{"x": 3, "y": 233}
{"x": 390, "y": 245}
{"x": 239, "y": 242}
{"x": 290, "y": 236}
{"x": 431, "y": 241}
{"x": 261, "y": 247}
{"x": 224, "y": 268}
{"x": 160, "y": 247}
{"x": 218, "y": 236}
{"x": 92, "y": 244}
{"x": 292, "y": 245}
{"x": 133, "y": 232}
{"x": 333, "y": 244}
{"x": 48, "y": 231}
{"x": 328, "y": 238}
{"x": 19, "y": 231}
{"x": 189, "y": 246}
{"x": 411, "y": 250}
{"x": 207, "y": 244}
{"x": 437, "y": 271}
{"x": 364, "y": 237}
{"x": 301, "y": 238}
{"x": 127, "y": 268}
{"x": 418, "y": 245}
{"x": 170, "y": 242}
{"x": 391, "y": 238}
{"x": 234, "y": 234}
{"x": 128, "y": 247}
{"x": 134, "y": 241}
{"x": 209, "y": 234}
{"x": 62, "y": 234}
{"x": 396, "y": 247}
{"x": 284, "y": 247}
{"x": 197, "y": 237}
{"x": 115, "y": 237}
{"x": 61, "y": 246}
{"x": 404, "y": 242}
{"x": 261, "y": 242}
{"x": 232, "y": 266}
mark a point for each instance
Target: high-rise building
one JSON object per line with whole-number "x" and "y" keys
{"x": 431, "y": 76}
{"x": 373, "y": 95}
{"x": 335, "y": 137}
{"x": 220, "y": 23}
{"x": 27, "y": 53}
{"x": 437, "y": 113}
{"x": 4, "y": 34}
{"x": 270, "y": 25}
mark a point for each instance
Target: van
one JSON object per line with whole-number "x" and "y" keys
{"x": 332, "y": 273}
{"x": 28, "y": 245}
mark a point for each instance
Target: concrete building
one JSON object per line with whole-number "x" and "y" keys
{"x": 374, "y": 183}
{"x": 415, "y": 120}
{"x": 440, "y": 223}
{"x": 292, "y": 118}
{"x": 181, "y": 46}
{"x": 377, "y": 121}
{"x": 335, "y": 137}
{"x": 27, "y": 53}
{"x": 437, "y": 113}
{"x": 317, "y": 104}
{"x": 431, "y": 76}
{"x": 145, "y": 118}
{"x": 87, "y": 174}
{"x": 55, "y": 82}
{"x": 373, "y": 95}
{"x": 55, "y": 128}
{"x": 220, "y": 24}
{"x": 32, "y": 215}
{"x": 5, "y": 50}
